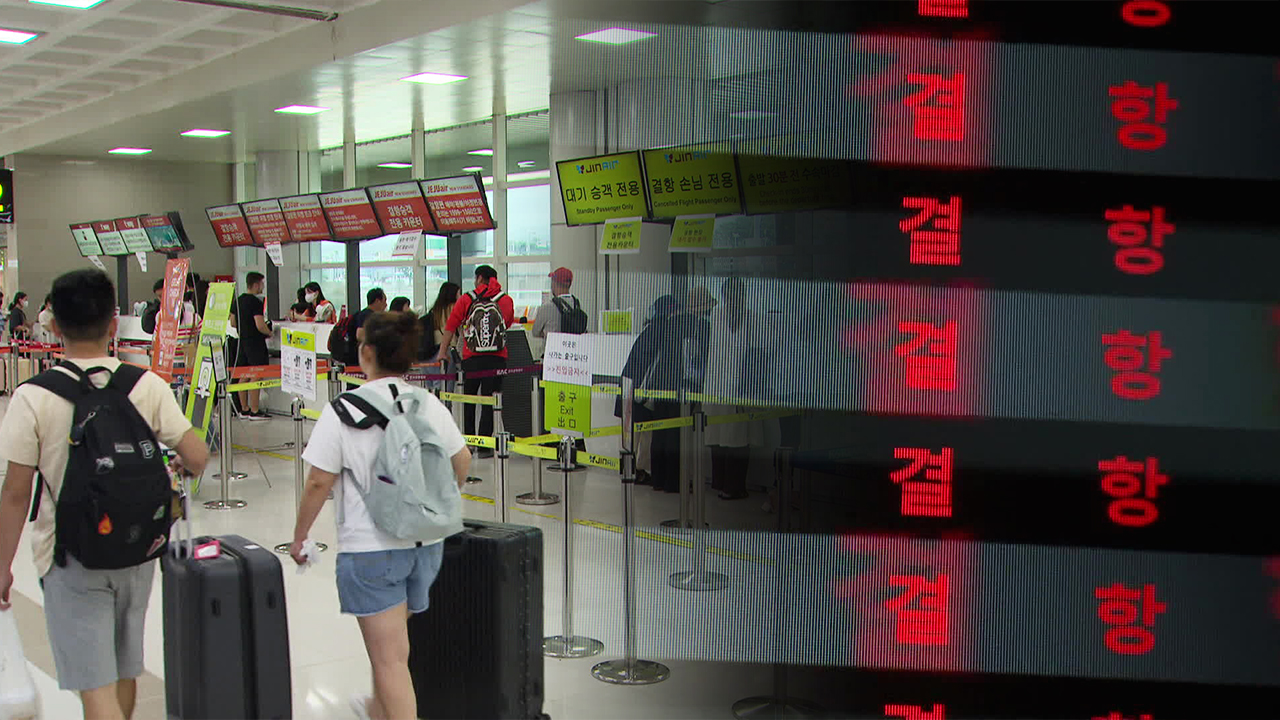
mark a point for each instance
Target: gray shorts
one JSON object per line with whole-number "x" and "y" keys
{"x": 95, "y": 620}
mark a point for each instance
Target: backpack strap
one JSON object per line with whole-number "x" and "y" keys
{"x": 371, "y": 414}
{"x": 59, "y": 383}
{"x": 125, "y": 378}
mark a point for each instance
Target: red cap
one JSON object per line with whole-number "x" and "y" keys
{"x": 563, "y": 275}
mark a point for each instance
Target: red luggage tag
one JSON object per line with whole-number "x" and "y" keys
{"x": 209, "y": 550}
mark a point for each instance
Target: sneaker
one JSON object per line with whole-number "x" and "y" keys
{"x": 260, "y": 415}
{"x": 360, "y": 705}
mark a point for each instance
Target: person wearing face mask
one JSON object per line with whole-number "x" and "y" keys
{"x": 301, "y": 311}
{"x": 324, "y": 310}
{"x": 19, "y": 325}
{"x": 254, "y": 328}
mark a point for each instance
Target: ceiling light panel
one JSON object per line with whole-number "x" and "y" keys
{"x": 129, "y": 151}
{"x": 203, "y": 133}
{"x": 472, "y": 168}
{"x": 486, "y": 152}
{"x": 615, "y": 36}
{"x": 76, "y": 4}
{"x": 430, "y": 78}
{"x": 16, "y": 37}
{"x": 396, "y": 165}
{"x": 301, "y": 110}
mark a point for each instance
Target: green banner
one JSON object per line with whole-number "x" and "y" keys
{"x": 213, "y": 332}
{"x": 568, "y": 408}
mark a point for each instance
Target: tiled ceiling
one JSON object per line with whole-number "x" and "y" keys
{"x": 86, "y": 55}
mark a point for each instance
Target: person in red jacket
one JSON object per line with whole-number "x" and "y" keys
{"x": 484, "y": 314}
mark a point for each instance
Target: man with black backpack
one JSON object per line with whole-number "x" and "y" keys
{"x": 90, "y": 430}
{"x": 484, "y": 314}
{"x": 562, "y": 313}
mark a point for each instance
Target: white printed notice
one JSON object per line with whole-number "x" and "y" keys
{"x": 567, "y": 359}
{"x": 298, "y": 363}
{"x": 97, "y": 261}
{"x": 276, "y": 253}
{"x": 407, "y": 244}
{"x": 142, "y": 260}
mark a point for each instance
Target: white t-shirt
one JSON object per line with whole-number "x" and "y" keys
{"x": 350, "y": 454}
{"x": 325, "y": 312}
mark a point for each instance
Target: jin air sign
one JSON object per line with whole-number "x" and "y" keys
{"x": 692, "y": 181}
{"x": 602, "y": 188}
{"x": 6, "y": 195}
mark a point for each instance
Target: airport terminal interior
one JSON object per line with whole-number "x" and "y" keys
{"x": 968, "y": 305}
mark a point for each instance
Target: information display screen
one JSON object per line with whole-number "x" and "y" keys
{"x": 692, "y": 180}
{"x": 86, "y": 241}
{"x": 109, "y": 238}
{"x": 266, "y": 222}
{"x": 134, "y": 237}
{"x": 606, "y": 187}
{"x": 305, "y": 219}
{"x": 401, "y": 207}
{"x": 166, "y": 232}
{"x": 229, "y": 226}
{"x": 776, "y": 184}
{"x": 351, "y": 215}
{"x": 458, "y": 204}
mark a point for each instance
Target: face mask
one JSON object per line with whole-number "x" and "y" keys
{"x": 311, "y": 297}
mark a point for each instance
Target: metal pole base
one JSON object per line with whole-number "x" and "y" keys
{"x": 697, "y": 581}
{"x": 224, "y": 504}
{"x": 283, "y": 548}
{"x": 754, "y": 708}
{"x": 557, "y": 467}
{"x": 575, "y": 646}
{"x": 537, "y": 498}
{"x": 639, "y": 672}
{"x": 234, "y": 476}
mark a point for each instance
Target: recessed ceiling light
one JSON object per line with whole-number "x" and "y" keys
{"x": 485, "y": 151}
{"x": 396, "y": 165}
{"x": 129, "y": 151}
{"x": 301, "y": 109}
{"x": 77, "y": 4}
{"x": 472, "y": 168}
{"x": 17, "y": 37}
{"x": 202, "y": 133}
{"x": 751, "y": 114}
{"x": 615, "y": 36}
{"x": 526, "y": 164}
{"x": 431, "y": 78}
{"x": 79, "y": 162}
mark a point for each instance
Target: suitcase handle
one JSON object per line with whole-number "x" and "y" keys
{"x": 175, "y": 548}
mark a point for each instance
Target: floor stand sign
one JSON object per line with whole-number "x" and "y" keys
{"x": 224, "y": 451}
{"x": 699, "y": 578}
{"x": 566, "y": 644}
{"x": 629, "y": 670}
{"x": 780, "y": 704}
{"x": 537, "y": 497}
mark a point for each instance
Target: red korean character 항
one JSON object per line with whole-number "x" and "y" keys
{"x": 1145, "y": 13}
{"x": 1128, "y": 229}
{"x": 931, "y": 497}
{"x": 937, "y": 109}
{"x": 928, "y": 624}
{"x": 916, "y": 712}
{"x": 940, "y": 246}
{"x": 1134, "y": 105}
{"x": 937, "y": 369}
{"x": 1124, "y": 479}
{"x": 1124, "y": 356}
{"x": 1119, "y": 610}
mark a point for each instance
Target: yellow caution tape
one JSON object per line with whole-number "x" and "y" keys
{"x": 535, "y": 451}
{"x": 254, "y": 385}
{"x": 480, "y": 441}
{"x": 266, "y": 453}
{"x": 537, "y": 439}
{"x": 310, "y": 414}
{"x": 653, "y": 425}
{"x": 749, "y": 416}
{"x": 350, "y": 379}
{"x": 600, "y": 461}
{"x": 469, "y": 399}
{"x": 604, "y": 431}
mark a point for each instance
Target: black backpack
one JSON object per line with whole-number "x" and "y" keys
{"x": 116, "y": 503}
{"x": 573, "y": 320}
{"x": 340, "y": 346}
{"x": 486, "y": 328}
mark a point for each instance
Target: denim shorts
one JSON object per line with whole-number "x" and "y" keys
{"x": 374, "y": 582}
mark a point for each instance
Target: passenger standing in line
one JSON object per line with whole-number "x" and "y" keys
{"x": 433, "y": 323}
{"x": 377, "y": 302}
{"x": 301, "y": 311}
{"x": 641, "y": 361}
{"x": 19, "y": 326}
{"x": 151, "y": 315}
{"x": 254, "y": 329}
{"x": 732, "y": 324}
{"x": 324, "y": 310}
{"x": 682, "y": 364}
{"x": 95, "y": 617}
{"x": 43, "y": 322}
{"x": 381, "y": 580}
{"x": 399, "y": 304}
{"x": 486, "y": 312}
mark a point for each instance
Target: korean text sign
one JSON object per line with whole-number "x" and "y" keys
{"x": 600, "y": 188}
{"x": 692, "y": 180}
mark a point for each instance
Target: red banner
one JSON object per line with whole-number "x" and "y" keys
{"x": 350, "y": 215}
{"x": 304, "y": 218}
{"x": 229, "y": 225}
{"x": 401, "y": 207}
{"x": 164, "y": 347}
{"x": 266, "y": 222}
{"x": 458, "y": 204}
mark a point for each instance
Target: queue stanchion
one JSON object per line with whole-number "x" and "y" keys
{"x": 682, "y": 525}
{"x": 781, "y": 704}
{"x": 537, "y": 497}
{"x": 295, "y": 412}
{"x": 629, "y": 670}
{"x": 699, "y": 578}
{"x": 224, "y": 454}
{"x": 501, "y": 453}
{"x": 459, "y": 411}
{"x": 566, "y": 644}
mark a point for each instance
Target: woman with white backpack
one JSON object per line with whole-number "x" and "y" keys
{"x": 396, "y": 463}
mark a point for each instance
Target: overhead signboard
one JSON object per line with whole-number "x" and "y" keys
{"x": 601, "y": 188}
{"x": 229, "y": 225}
{"x": 109, "y": 238}
{"x": 350, "y": 214}
{"x": 458, "y": 204}
{"x": 692, "y": 180}
{"x": 165, "y": 232}
{"x": 401, "y": 207}
{"x": 305, "y": 219}
{"x": 6, "y": 195}
{"x": 86, "y": 241}
{"x": 773, "y": 184}
{"x": 134, "y": 237}
{"x": 266, "y": 222}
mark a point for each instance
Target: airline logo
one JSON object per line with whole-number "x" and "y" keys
{"x": 304, "y": 202}
{"x": 262, "y": 207}
{"x": 602, "y": 166}
{"x": 686, "y": 156}
{"x": 345, "y": 198}
{"x": 399, "y": 191}
{"x": 225, "y": 212}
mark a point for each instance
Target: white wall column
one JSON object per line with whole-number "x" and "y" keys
{"x": 576, "y": 131}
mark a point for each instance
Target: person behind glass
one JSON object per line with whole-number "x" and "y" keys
{"x": 486, "y": 312}
{"x": 44, "y": 321}
{"x": 152, "y": 312}
{"x": 400, "y": 304}
{"x": 681, "y": 363}
{"x": 377, "y": 302}
{"x": 381, "y": 580}
{"x": 728, "y": 376}
{"x": 640, "y": 363}
{"x": 19, "y": 325}
{"x": 433, "y": 323}
{"x": 254, "y": 329}
{"x": 324, "y": 310}
{"x": 301, "y": 311}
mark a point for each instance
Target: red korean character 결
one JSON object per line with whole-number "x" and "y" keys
{"x": 935, "y": 370}
{"x": 1120, "y": 609}
{"x": 937, "y": 108}
{"x": 941, "y": 244}
{"x": 927, "y": 623}
{"x": 1143, "y": 110}
{"x": 930, "y": 497}
{"x": 1124, "y": 480}
{"x": 1139, "y": 252}
{"x": 916, "y": 712}
{"x": 1146, "y": 13}
{"x": 1136, "y": 370}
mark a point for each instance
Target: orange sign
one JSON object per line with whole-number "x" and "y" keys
{"x": 165, "y": 343}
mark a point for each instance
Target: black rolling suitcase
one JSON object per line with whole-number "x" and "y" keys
{"x": 476, "y": 653}
{"x": 226, "y": 634}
